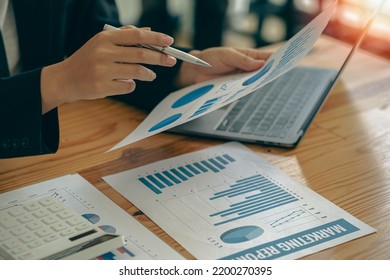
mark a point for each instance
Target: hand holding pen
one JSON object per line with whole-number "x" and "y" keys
{"x": 107, "y": 64}
{"x": 168, "y": 50}
{"x": 110, "y": 63}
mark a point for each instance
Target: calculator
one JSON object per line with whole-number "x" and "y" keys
{"x": 48, "y": 229}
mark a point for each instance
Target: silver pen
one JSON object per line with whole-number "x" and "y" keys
{"x": 168, "y": 50}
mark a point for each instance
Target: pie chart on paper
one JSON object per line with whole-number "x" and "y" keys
{"x": 165, "y": 122}
{"x": 192, "y": 96}
{"x": 241, "y": 234}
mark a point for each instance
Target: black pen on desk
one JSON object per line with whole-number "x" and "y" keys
{"x": 168, "y": 50}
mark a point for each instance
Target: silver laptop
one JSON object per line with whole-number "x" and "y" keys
{"x": 277, "y": 114}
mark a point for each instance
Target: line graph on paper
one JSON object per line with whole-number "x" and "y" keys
{"x": 228, "y": 203}
{"x": 291, "y": 218}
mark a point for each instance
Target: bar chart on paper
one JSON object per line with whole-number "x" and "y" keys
{"x": 221, "y": 201}
{"x": 157, "y": 181}
{"x": 267, "y": 196}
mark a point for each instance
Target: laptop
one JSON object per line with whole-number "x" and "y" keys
{"x": 277, "y": 114}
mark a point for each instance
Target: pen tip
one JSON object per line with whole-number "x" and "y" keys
{"x": 203, "y": 63}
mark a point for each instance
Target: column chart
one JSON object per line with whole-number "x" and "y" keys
{"x": 268, "y": 195}
{"x": 157, "y": 181}
{"x": 226, "y": 202}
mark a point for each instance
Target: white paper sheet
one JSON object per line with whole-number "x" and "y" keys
{"x": 197, "y": 100}
{"x": 226, "y": 202}
{"x": 78, "y": 194}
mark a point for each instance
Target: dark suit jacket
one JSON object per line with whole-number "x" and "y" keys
{"x": 48, "y": 31}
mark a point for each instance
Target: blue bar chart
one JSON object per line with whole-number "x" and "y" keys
{"x": 258, "y": 194}
{"x": 121, "y": 253}
{"x": 225, "y": 202}
{"x": 158, "y": 181}
{"x": 205, "y": 107}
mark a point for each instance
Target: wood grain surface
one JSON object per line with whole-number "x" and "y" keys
{"x": 344, "y": 156}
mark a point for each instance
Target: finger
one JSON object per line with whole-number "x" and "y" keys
{"x": 128, "y": 27}
{"x": 254, "y": 53}
{"x": 134, "y": 36}
{"x": 132, "y": 27}
{"x": 123, "y": 86}
{"x": 245, "y": 62}
{"x": 132, "y": 72}
{"x": 141, "y": 55}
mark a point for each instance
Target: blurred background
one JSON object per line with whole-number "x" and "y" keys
{"x": 254, "y": 23}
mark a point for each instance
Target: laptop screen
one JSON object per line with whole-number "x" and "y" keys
{"x": 280, "y": 113}
{"x": 360, "y": 38}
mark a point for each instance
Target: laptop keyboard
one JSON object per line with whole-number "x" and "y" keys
{"x": 273, "y": 109}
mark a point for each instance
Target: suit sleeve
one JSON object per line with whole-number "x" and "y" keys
{"x": 24, "y": 130}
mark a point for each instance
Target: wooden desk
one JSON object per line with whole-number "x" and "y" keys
{"x": 345, "y": 155}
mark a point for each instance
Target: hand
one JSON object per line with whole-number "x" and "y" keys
{"x": 106, "y": 65}
{"x": 224, "y": 61}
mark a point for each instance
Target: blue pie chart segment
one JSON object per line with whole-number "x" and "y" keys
{"x": 93, "y": 218}
{"x": 165, "y": 122}
{"x": 241, "y": 234}
{"x": 192, "y": 96}
{"x": 259, "y": 74}
{"x": 108, "y": 228}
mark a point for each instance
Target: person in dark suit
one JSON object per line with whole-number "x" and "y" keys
{"x": 65, "y": 56}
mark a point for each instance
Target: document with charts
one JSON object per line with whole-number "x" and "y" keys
{"x": 78, "y": 194}
{"x": 199, "y": 99}
{"x": 226, "y": 202}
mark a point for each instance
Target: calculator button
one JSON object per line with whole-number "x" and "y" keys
{"x": 64, "y": 214}
{"x": 40, "y": 213}
{"x": 10, "y": 243}
{"x": 18, "y": 231}
{"x": 49, "y": 220}
{"x": 43, "y": 232}
{"x": 18, "y": 250}
{"x": 27, "y": 238}
{"x": 35, "y": 243}
{"x": 55, "y": 208}
{"x": 67, "y": 232}
{"x": 47, "y": 201}
{"x": 81, "y": 227}
{"x": 59, "y": 226}
{"x": 7, "y": 222}
{"x": 24, "y": 218}
{"x": 32, "y": 206}
{"x": 51, "y": 238}
{"x": 33, "y": 225}
{"x": 74, "y": 221}
{"x": 4, "y": 236}
{"x": 16, "y": 211}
